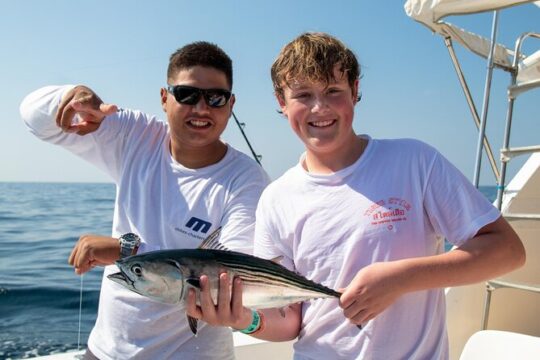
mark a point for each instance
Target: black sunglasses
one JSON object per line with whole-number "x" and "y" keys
{"x": 190, "y": 95}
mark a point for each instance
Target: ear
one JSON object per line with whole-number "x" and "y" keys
{"x": 282, "y": 103}
{"x": 232, "y": 100}
{"x": 355, "y": 91}
{"x": 163, "y": 94}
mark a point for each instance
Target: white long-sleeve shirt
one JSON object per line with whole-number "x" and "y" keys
{"x": 168, "y": 206}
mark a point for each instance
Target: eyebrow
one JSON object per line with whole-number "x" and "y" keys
{"x": 307, "y": 87}
{"x": 299, "y": 88}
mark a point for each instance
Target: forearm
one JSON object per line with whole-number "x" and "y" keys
{"x": 495, "y": 250}
{"x": 277, "y": 327}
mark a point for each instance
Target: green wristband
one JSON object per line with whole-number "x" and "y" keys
{"x": 255, "y": 323}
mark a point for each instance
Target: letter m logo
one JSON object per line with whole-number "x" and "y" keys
{"x": 197, "y": 224}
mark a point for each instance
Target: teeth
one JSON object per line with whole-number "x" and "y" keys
{"x": 322, "y": 123}
{"x": 199, "y": 123}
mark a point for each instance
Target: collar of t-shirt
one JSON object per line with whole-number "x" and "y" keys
{"x": 339, "y": 176}
{"x": 177, "y": 167}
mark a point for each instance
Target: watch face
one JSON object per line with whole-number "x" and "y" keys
{"x": 128, "y": 242}
{"x": 130, "y": 238}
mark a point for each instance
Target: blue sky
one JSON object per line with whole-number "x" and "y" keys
{"x": 121, "y": 48}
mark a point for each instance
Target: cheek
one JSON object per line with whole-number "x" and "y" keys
{"x": 344, "y": 107}
{"x": 220, "y": 121}
{"x": 176, "y": 112}
{"x": 295, "y": 126}
{"x": 296, "y": 112}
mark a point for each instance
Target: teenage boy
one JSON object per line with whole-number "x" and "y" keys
{"x": 365, "y": 216}
{"x": 176, "y": 183}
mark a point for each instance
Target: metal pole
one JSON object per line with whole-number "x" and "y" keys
{"x": 485, "y": 103}
{"x": 506, "y": 143}
{"x": 472, "y": 107}
{"x": 508, "y": 127}
{"x": 487, "y": 304}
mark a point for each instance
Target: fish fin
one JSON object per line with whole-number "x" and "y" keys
{"x": 212, "y": 242}
{"x": 192, "y": 324}
{"x": 277, "y": 259}
{"x": 194, "y": 282}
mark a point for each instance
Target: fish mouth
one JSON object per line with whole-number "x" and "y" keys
{"x": 121, "y": 278}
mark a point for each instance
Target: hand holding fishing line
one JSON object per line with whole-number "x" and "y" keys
{"x": 89, "y": 108}
{"x": 93, "y": 250}
{"x": 373, "y": 289}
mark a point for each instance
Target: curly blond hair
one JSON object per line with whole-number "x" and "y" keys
{"x": 313, "y": 57}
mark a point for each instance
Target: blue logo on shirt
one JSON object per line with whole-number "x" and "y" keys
{"x": 199, "y": 225}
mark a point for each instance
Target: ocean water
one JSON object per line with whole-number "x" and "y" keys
{"x": 39, "y": 292}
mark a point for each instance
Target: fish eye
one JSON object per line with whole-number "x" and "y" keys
{"x": 136, "y": 269}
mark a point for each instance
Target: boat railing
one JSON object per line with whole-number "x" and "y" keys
{"x": 493, "y": 285}
{"x": 515, "y": 89}
{"x": 470, "y": 102}
{"x": 508, "y": 153}
{"x": 524, "y": 71}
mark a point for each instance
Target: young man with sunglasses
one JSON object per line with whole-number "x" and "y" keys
{"x": 176, "y": 183}
{"x": 366, "y": 217}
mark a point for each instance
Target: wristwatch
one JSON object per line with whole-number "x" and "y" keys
{"x": 129, "y": 244}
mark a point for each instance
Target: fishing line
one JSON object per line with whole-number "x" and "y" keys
{"x": 80, "y": 314}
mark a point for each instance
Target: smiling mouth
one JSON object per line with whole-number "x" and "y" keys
{"x": 322, "y": 124}
{"x": 200, "y": 124}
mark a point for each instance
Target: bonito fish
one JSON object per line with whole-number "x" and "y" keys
{"x": 166, "y": 276}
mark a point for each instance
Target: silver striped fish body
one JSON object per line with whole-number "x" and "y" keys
{"x": 267, "y": 284}
{"x": 258, "y": 295}
{"x": 167, "y": 274}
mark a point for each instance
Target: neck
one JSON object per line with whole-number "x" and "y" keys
{"x": 196, "y": 158}
{"x": 340, "y": 158}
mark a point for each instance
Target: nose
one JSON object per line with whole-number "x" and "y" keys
{"x": 319, "y": 104}
{"x": 201, "y": 105}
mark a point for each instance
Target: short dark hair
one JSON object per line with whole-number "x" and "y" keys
{"x": 200, "y": 53}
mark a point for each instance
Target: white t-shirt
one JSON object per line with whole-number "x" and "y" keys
{"x": 398, "y": 200}
{"x": 168, "y": 206}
